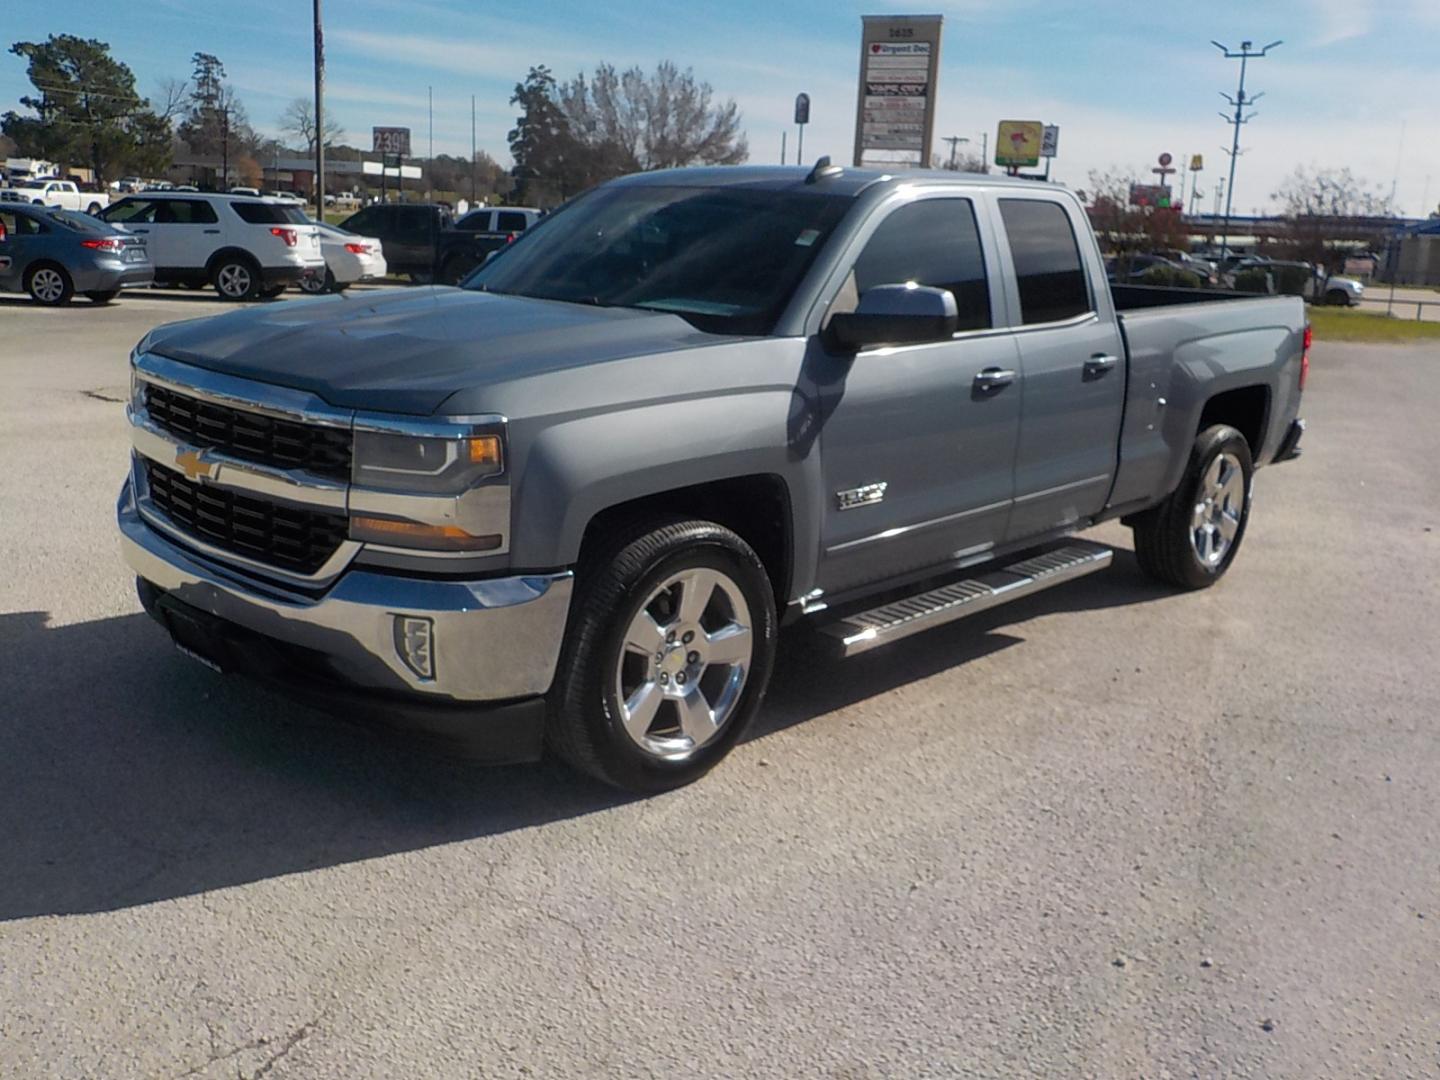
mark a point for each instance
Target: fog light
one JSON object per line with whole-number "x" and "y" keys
{"x": 415, "y": 643}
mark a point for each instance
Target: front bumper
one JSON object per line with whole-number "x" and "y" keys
{"x": 491, "y": 641}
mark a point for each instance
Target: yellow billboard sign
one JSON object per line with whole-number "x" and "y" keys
{"x": 1018, "y": 142}
{"x": 1197, "y": 162}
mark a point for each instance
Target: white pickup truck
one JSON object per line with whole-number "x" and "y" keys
{"x": 63, "y": 194}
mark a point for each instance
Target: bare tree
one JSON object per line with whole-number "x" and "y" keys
{"x": 1124, "y": 230}
{"x": 172, "y": 98}
{"x": 298, "y": 120}
{"x": 1311, "y": 198}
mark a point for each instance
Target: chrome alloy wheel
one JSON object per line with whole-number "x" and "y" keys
{"x": 47, "y": 285}
{"x": 684, "y": 662}
{"x": 233, "y": 280}
{"x": 1219, "y": 509}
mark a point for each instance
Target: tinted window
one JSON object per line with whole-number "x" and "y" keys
{"x": 476, "y": 222}
{"x": 259, "y": 213}
{"x": 510, "y": 222}
{"x": 932, "y": 242}
{"x": 185, "y": 212}
{"x": 19, "y": 224}
{"x": 412, "y": 223}
{"x": 1047, "y": 260}
{"x": 131, "y": 210}
{"x": 727, "y": 259}
{"x": 365, "y": 219}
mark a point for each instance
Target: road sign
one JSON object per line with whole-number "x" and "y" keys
{"x": 1018, "y": 142}
{"x": 390, "y": 140}
{"x": 895, "y": 110}
{"x": 802, "y": 108}
{"x": 1165, "y": 159}
{"x": 1050, "y": 141}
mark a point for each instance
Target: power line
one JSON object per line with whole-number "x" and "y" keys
{"x": 1239, "y": 103}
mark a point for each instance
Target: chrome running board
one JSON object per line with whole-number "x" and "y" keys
{"x": 912, "y": 614}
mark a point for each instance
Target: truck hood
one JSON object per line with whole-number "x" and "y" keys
{"x": 408, "y": 350}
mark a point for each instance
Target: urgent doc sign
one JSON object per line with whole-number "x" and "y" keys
{"x": 895, "y": 107}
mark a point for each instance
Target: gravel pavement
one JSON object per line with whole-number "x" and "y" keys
{"x": 1110, "y": 831}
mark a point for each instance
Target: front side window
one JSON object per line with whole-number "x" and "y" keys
{"x": 727, "y": 259}
{"x": 1052, "y": 281}
{"x": 932, "y": 242}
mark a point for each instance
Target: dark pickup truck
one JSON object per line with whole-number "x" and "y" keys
{"x": 569, "y": 505}
{"x": 422, "y": 241}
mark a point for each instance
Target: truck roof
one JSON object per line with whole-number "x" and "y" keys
{"x": 841, "y": 180}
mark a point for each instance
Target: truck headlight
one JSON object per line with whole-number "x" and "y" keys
{"x": 425, "y": 465}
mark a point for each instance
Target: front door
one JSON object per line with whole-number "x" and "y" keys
{"x": 917, "y": 456}
{"x": 1072, "y": 361}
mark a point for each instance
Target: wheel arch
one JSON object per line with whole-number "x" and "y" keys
{"x": 228, "y": 252}
{"x": 1245, "y": 408}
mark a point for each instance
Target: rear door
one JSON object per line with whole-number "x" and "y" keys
{"x": 918, "y": 459}
{"x": 137, "y": 216}
{"x": 188, "y": 231}
{"x": 1072, "y": 366}
{"x": 21, "y": 244}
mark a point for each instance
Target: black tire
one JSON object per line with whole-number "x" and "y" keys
{"x": 456, "y": 268}
{"x": 102, "y": 296}
{"x": 315, "y": 285}
{"x": 1165, "y": 543}
{"x": 615, "y": 582}
{"x": 49, "y": 284}
{"x": 272, "y": 292}
{"x": 93, "y": 209}
{"x": 235, "y": 278}
{"x": 1337, "y": 298}
{"x": 421, "y": 277}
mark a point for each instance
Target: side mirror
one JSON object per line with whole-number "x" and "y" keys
{"x": 895, "y": 315}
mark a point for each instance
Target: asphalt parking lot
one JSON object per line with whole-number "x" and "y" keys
{"x": 1111, "y": 831}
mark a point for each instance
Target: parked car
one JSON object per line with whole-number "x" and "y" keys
{"x": 287, "y": 197}
{"x": 1131, "y": 269}
{"x": 254, "y": 193}
{"x": 61, "y": 194}
{"x": 507, "y": 221}
{"x": 569, "y": 505}
{"x": 422, "y": 241}
{"x": 247, "y": 248}
{"x": 348, "y": 259}
{"x": 53, "y": 254}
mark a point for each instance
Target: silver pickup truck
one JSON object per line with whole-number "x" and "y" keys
{"x": 570, "y": 504}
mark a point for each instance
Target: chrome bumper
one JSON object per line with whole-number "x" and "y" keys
{"x": 492, "y": 640}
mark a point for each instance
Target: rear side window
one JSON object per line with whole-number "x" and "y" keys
{"x": 931, "y": 242}
{"x": 131, "y": 210}
{"x": 259, "y": 213}
{"x": 19, "y": 224}
{"x": 1052, "y": 280}
{"x": 509, "y": 221}
{"x": 478, "y": 222}
{"x": 185, "y": 212}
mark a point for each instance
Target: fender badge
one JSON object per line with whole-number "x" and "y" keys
{"x": 868, "y": 495}
{"x": 194, "y": 466}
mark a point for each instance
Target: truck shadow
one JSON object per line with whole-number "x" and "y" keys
{"x": 129, "y": 774}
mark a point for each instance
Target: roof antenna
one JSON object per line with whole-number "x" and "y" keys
{"x": 822, "y": 170}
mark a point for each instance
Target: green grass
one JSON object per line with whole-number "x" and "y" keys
{"x": 1341, "y": 324}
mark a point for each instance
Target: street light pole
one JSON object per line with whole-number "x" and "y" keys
{"x": 319, "y": 116}
{"x": 1241, "y": 117}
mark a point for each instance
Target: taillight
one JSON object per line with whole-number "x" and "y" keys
{"x": 358, "y": 249}
{"x": 1305, "y": 355}
{"x": 510, "y": 239}
{"x": 99, "y": 245}
{"x": 290, "y": 236}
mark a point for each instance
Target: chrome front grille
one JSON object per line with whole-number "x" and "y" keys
{"x": 287, "y": 537}
{"x": 251, "y": 436}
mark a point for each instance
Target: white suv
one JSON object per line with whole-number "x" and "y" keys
{"x": 245, "y": 247}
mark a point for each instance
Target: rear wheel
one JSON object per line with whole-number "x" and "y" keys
{"x": 1337, "y": 298}
{"x": 236, "y": 278}
{"x": 1191, "y": 538}
{"x": 102, "y": 296}
{"x": 93, "y": 209}
{"x": 315, "y": 284}
{"x": 667, "y": 657}
{"x": 456, "y": 268}
{"x": 49, "y": 284}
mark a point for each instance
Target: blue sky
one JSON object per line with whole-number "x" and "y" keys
{"x": 1124, "y": 80}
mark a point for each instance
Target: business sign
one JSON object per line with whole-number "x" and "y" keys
{"x": 1050, "y": 141}
{"x": 895, "y": 102}
{"x": 1197, "y": 162}
{"x": 390, "y": 140}
{"x": 1017, "y": 143}
{"x": 802, "y": 108}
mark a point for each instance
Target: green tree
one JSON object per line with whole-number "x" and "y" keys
{"x": 549, "y": 165}
{"x": 86, "y": 110}
{"x": 216, "y": 122}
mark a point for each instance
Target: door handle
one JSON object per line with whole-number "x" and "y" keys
{"x": 212, "y": 232}
{"x": 139, "y": 230}
{"x": 993, "y": 378}
{"x": 1099, "y": 364}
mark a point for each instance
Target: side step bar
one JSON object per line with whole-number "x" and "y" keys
{"x": 912, "y": 614}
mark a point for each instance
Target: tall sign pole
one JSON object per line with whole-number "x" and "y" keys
{"x": 319, "y": 115}
{"x": 802, "y": 117}
{"x": 1239, "y": 103}
{"x": 895, "y": 100}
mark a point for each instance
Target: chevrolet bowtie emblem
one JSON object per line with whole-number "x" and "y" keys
{"x": 193, "y": 465}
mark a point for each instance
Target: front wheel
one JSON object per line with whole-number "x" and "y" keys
{"x": 1191, "y": 538}
{"x": 667, "y": 656}
{"x": 1337, "y": 298}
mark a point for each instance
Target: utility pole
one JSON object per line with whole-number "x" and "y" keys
{"x": 782, "y": 148}
{"x": 1239, "y": 103}
{"x": 954, "y": 141}
{"x": 985, "y": 151}
{"x": 319, "y": 116}
{"x": 473, "y": 154}
{"x": 430, "y": 162}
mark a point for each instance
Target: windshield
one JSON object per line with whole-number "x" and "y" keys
{"x": 727, "y": 259}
